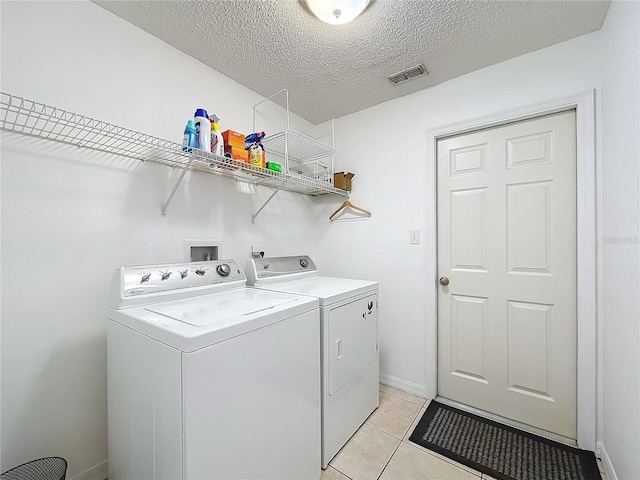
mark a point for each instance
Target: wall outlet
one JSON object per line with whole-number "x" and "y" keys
{"x": 414, "y": 237}
{"x": 256, "y": 251}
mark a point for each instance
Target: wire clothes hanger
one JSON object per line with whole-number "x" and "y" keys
{"x": 346, "y": 204}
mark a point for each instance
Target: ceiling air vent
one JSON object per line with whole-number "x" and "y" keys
{"x": 407, "y": 74}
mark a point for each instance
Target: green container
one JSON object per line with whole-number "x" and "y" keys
{"x": 276, "y": 167}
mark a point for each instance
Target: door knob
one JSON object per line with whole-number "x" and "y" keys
{"x": 444, "y": 281}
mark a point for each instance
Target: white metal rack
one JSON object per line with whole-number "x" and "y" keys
{"x": 27, "y": 117}
{"x": 300, "y": 153}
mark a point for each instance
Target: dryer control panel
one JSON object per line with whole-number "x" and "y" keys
{"x": 279, "y": 268}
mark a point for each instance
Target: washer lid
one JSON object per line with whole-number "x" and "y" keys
{"x": 193, "y": 323}
{"x": 201, "y": 311}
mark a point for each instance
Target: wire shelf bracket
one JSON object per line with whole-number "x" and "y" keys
{"x": 253, "y": 217}
{"x": 175, "y": 188}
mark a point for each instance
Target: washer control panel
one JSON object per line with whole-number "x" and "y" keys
{"x": 142, "y": 279}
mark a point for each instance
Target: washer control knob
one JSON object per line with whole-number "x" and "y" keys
{"x": 200, "y": 272}
{"x": 304, "y": 263}
{"x": 183, "y": 273}
{"x": 165, "y": 275}
{"x": 223, "y": 270}
{"x": 145, "y": 277}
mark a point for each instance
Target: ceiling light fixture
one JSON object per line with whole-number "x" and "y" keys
{"x": 336, "y": 12}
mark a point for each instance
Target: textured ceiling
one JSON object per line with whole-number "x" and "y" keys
{"x": 334, "y": 70}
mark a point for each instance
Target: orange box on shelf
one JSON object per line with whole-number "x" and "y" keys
{"x": 233, "y": 139}
{"x": 238, "y": 154}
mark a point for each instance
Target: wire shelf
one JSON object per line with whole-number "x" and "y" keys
{"x": 302, "y": 155}
{"x": 300, "y": 148}
{"x": 27, "y": 117}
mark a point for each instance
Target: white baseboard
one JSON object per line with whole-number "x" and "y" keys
{"x": 99, "y": 472}
{"x": 405, "y": 386}
{"x": 601, "y": 453}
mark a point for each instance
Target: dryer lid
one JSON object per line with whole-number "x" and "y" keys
{"x": 329, "y": 290}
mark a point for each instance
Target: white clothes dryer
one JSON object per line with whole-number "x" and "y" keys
{"x": 209, "y": 379}
{"x": 349, "y": 341}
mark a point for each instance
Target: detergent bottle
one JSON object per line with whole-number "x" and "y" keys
{"x": 203, "y": 130}
{"x": 189, "y": 139}
{"x": 217, "y": 142}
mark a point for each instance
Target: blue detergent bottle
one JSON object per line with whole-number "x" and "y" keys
{"x": 189, "y": 139}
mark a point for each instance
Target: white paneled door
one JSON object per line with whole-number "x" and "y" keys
{"x": 507, "y": 249}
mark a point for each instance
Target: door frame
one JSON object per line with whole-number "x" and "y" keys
{"x": 588, "y": 255}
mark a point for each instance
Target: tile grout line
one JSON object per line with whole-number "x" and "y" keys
{"x": 383, "y": 431}
{"x": 374, "y": 427}
{"x": 389, "y": 461}
{"x": 396, "y": 396}
{"x": 339, "y": 471}
{"x": 401, "y": 440}
{"x": 391, "y": 434}
{"x": 451, "y": 462}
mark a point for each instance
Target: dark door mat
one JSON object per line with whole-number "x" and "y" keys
{"x": 498, "y": 450}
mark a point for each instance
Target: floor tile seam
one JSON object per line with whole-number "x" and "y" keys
{"x": 390, "y": 458}
{"x": 392, "y": 412}
{"x": 405, "y": 399}
{"x": 373, "y": 428}
{"x": 411, "y": 423}
{"x": 339, "y": 471}
{"x": 408, "y": 403}
{"x": 379, "y": 429}
{"x": 414, "y": 423}
{"x": 442, "y": 457}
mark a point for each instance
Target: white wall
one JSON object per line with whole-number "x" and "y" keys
{"x": 71, "y": 216}
{"x": 386, "y": 147}
{"x": 621, "y": 231}
{"x": 64, "y": 207}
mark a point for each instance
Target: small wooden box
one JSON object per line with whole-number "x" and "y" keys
{"x": 342, "y": 180}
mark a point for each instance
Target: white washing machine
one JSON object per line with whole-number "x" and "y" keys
{"x": 209, "y": 379}
{"x": 349, "y": 341}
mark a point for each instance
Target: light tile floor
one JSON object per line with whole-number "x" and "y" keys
{"x": 380, "y": 449}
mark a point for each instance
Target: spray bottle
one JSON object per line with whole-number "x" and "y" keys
{"x": 217, "y": 142}
{"x": 254, "y": 138}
